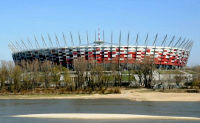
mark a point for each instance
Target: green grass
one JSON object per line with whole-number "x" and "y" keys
{"x": 190, "y": 72}
{"x": 124, "y": 78}
{"x": 127, "y": 72}
{"x": 170, "y": 72}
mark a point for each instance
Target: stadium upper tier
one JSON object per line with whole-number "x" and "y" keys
{"x": 170, "y": 56}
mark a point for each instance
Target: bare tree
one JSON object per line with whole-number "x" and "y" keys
{"x": 16, "y": 76}
{"x": 55, "y": 75}
{"x": 67, "y": 78}
{"x": 145, "y": 69}
{"x": 46, "y": 70}
{"x": 34, "y": 67}
{"x": 80, "y": 67}
{"x": 3, "y": 73}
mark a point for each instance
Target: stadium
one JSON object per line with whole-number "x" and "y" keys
{"x": 170, "y": 54}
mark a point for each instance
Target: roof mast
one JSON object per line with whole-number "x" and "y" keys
{"x": 99, "y": 41}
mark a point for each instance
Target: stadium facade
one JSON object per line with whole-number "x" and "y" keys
{"x": 173, "y": 55}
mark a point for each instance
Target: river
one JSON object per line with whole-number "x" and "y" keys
{"x": 8, "y": 108}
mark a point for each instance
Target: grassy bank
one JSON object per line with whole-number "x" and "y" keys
{"x": 63, "y": 91}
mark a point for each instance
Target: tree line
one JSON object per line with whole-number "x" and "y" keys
{"x": 85, "y": 75}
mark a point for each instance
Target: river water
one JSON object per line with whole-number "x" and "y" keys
{"x": 113, "y": 106}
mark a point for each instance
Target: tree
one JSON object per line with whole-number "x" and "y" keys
{"x": 16, "y": 76}
{"x": 55, "y": 74}
{"x": 115, "y": 73}
{"x": 196, "y": 81}
{"x": 11, "y": 67}
{"x": 80, "y": 67}
{"x": 34, "y": 68}
{"x": 26, "y": 82}
{"x": 178, "y": 79}
{"x": 139, "y": 71}
{"x": 3, "y": 73}
{"x": 46, "y": 70}
{"x": 144, "y": 69}
{"x": 98, "y": 72}
{"x": 26, "y": 75}
{"x": 67, "y": 78}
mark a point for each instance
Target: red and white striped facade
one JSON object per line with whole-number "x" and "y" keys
{"x": 165, "y": 56}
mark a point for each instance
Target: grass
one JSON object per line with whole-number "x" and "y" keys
{"x": 170, "y": 72}
{"x": 124, "y": 78}
{"x": 191, "y": 72}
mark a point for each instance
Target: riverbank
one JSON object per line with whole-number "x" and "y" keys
{"x": 130, "y": 94}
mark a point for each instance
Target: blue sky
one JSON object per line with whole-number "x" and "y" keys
{"x": 20, "y": 19}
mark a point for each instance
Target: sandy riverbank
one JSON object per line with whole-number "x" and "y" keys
{"x": 131, "y": 94}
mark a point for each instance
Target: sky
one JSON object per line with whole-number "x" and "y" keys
{"x": 22, "y": 19}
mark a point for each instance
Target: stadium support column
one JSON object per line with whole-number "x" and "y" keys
{"x": 189, "y": 47}
{"x": 103, "y": 49}
{"x": 119, "y": 71}
{"x": 31, "y": 46}
{"x": 65, "y": 53}
{"x": 119, "y": 50}
{"x": 36, "y": 42}
{"x": 127, "y": 58}
{"x": 18, "y": 50}
{"x": 146, "y": 41}
{"x": 127, "y": 51}
{"x": 14, "y": 50}
{"x": 87, "y": 50}
{"x": 176, "y": 51}
{"x": 94, "y": 51}
{"x": 79, "y": 48}
{"x": 64, "y": 39}
{"x": 136, "y": 43}
{"x": 24, "y": 48}
{"x": 163, "y": 48}
{"x": 11, "y": 47}
{"x": 18, "y": 46}
{"x": 51, "y": 43}
{"x": 170, "y": 52}
{"x": 15, "y": 47}
{"x": 72, "y": 49}
{"x": 95, "y": 37}
{"x": 154, "y": 44}
{"x": 60, "y": 58}
{"x": 45, "y": 45}
{"x": 21, "y": 49}
{"x": 72, "y": 41}
{"x": 183, "y": 53}
{"x": 180, "y": 52}
{"x": 186, "y": 50}
{"x": 37, "y": 46}
{"x": 111, "y": 50}
{"x": 79, "y": 38}
{"x": 57, "y": 41}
